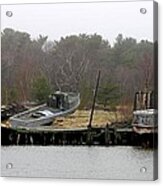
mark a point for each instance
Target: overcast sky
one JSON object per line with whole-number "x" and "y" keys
{"x": 57, "y": 20}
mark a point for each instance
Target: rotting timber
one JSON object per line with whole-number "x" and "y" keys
{"x": 111, "y": 134}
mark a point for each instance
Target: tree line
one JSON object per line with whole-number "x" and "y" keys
{"x": 31, "y": 69}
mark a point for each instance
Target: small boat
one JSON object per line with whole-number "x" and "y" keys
{"x": 145, "y": 121}
{"x": 58, "y": 104}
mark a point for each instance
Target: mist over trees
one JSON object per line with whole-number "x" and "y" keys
{"x": 71, "y": 64}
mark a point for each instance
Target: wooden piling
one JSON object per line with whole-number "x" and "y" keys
{"x": 18, "y": 139}
{"x": 107, "y": 135}
{"x": 94, "y": 100}
{"x": 89, "y": 137}
{"x": 31, "y": 139}
{"x": 115, "y": 136}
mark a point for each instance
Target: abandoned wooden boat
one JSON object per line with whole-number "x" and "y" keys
{"x": 58, "y": 104}
{"x": 145, "y": 121}
{"x": 145, "y": 113}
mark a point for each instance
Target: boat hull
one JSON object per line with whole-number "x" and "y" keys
{"x": 17, "y": 121}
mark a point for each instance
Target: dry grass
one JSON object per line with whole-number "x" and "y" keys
{"x": 80, "y": 118}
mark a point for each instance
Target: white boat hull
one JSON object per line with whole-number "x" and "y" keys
{"x": 17, "y": 121}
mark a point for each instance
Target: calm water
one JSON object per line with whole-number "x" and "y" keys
{"x": 77, "y": 162}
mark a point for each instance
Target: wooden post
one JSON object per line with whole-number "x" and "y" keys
{"x": 64, "y": 138}
{"x": 94, "y": 100}
{"x": 26, "y": 139}
{"x": 135, "y": 101}
{"x": 107, "y": 135}
{"x": 18, "y": 139}
{"x": 53, "y": 139}
{"x": 115, "y": 136}
{"x": 31, "y": 139}
{"x": 89, "y": 137}
{"x": 44, "y": 139}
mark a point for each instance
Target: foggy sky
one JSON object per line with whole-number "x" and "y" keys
{"x": 59, "y": 20}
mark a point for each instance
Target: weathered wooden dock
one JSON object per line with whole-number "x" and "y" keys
{"x": 106, "y": 136}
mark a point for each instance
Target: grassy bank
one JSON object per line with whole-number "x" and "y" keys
{"x": 80, "y": 118}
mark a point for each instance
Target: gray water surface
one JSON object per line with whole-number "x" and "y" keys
{"x": 77, "y": 162}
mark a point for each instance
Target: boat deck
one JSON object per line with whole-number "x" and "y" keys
{"x": 29, "y": 115}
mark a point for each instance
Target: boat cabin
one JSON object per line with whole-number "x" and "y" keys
{"x": 58, "y": 100}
